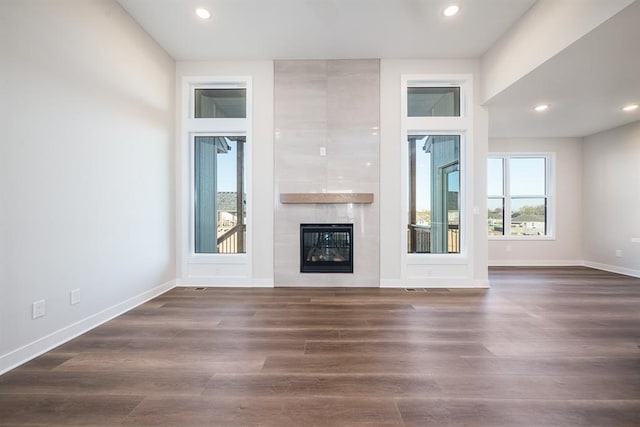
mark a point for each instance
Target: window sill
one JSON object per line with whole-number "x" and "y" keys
{"x": 436, "y": 259}
{"x": 521, "y": 238}
{"x": 217, "y": 259}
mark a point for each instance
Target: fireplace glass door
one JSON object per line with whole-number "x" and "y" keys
{"x": 326, "y": 248}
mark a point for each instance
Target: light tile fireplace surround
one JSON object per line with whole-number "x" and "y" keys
{"x": 327, "y": 120}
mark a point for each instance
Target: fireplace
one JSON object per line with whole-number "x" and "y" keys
{"x": 326, "y": 248}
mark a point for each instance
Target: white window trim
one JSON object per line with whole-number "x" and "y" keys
{"x": 550, "y": 190}
{"x": 192, "y": 127}
{"x": 462, "y": 126}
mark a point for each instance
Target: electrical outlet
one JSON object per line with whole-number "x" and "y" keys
{"x": 74, "y": 297}
{"x": 38, "y": 309}
{"x": 618, "y": 253}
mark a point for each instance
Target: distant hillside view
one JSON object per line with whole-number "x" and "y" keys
{"x": 526, "y": 221}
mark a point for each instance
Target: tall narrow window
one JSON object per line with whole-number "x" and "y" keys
{"x": 434, "y": 194}
{"x": 220, "y": 198}
{"x": 519, "y": 196}
{"x": 218, "y": 130}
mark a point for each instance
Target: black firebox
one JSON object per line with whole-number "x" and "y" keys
{"x": 326, "y": 248}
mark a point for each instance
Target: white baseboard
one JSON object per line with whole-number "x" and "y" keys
{"x": 536, "y": 263}
{"x": 327, "y": 285}
{"x": 224, "y": 282}
{"x": 613, "y": 269}
{"x": 435, "y": 283}
{"x": 34, "y": 349}
{"x": 392, "y": 283}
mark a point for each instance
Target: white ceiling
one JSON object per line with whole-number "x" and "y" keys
{"x": 585, "y": 84}
{"x": 325, "y": 29}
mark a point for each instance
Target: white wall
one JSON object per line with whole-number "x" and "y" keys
{"x": 451, "y": 272}
{"x": 256, "y": 268}
{"x": 565, "y": 248}
{"x": 86, "y": 169}
{"x": 611, "y": 199}
{"x": 544, "y": 31}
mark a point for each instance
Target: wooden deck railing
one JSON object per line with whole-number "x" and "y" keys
{"x": 420, "y": 239}
{"x": 232, "y": 241}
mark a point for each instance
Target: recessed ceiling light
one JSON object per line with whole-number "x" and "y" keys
{"x": 203, "y": 13}
{"x": 630, "y": 107}
{"x": 451, "y": 10}
{"x": 541, "y": 107}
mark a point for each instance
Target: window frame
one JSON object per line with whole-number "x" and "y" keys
{"x": 215, "y": 86}
{"x": 461, "y": 126}
{"x": 506, "y": 196}
{"x": 193, "y": 127}
{"x": 460, "y": 81}
{"x": 218, "y": 83}
{"x": 436, "y": 85}
{"x": 460, "y": 166}
{"x": 192, "y": 228}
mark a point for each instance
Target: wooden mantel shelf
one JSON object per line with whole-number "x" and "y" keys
{"x": 326, "y": 198}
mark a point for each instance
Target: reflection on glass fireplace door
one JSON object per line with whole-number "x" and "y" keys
{"x": 326, "y": 248}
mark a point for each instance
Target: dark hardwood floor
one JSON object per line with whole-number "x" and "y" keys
{"x": 543, "y": 347}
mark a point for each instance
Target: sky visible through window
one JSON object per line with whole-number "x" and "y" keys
{"x": 527, "y": 176}
{"x": 226, "y": 173}
{"x": 226, "y": 168}
{"x": 423, "y": 180}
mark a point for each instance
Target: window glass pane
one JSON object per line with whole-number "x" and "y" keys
{"x": 495, "y": 215}
{"x": 495, "y": 177}
{"x": 527, "y": 176}
{"x": 433, "y": 101}
{"x": 529, "y": 217}
{"x": 434, "y": 194}
{"x": 452, "y": 203}
{"x": 220, "y": 103}
{"x": 220, "y": 198}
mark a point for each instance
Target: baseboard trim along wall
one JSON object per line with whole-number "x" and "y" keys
{"x": 435, "y": 283}
{"x": 328, "y": 285}
{"x": 537, "y": 263}
{"x": 613, "y": 269}
{"x": 224, "y": 282}
{"x": 32, "y": 350}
